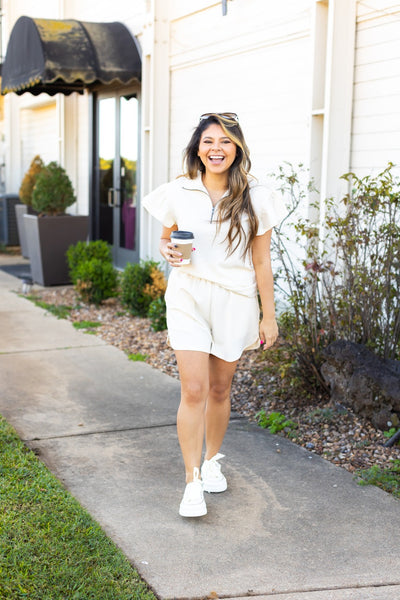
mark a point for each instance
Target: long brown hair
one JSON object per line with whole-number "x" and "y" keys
{"x": 238, "y": 201}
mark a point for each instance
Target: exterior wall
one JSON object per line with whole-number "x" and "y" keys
{"x": 285, "y": 66}
{"x": 255, "y": 61}
{"x": 376, "y": 107}
{"x": 57, "y": 127}
{"x": 37, "y": 125}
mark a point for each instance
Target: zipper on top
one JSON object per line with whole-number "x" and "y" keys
{"x": 212, "y": 214}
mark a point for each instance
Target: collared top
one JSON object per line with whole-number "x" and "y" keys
{"x": 186, "y": 203}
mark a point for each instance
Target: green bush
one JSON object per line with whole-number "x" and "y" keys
{"x": 29, "y": 180}
{"x": 96, "y": 281}
{"x": 157, "y": 314}
{"x": 346, "y": 283}
{"x": 274, "y": 421}
{"x": 86, "y": 251}
{"x": 53, "y": 192}
{"x": 137, "y": 287}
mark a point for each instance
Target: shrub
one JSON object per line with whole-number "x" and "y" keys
{"x": 346, "y": 283}
{"x": 274, "y": 422}
{"x": 84, "y": 251}
{"x": 96, "y": 280}
{"x": 140, "y": 285}
{"x": 157, "y": 314}
{"x": 156, "y": 289}
{"x": 387, "y": 478}
{"x": 29, "y": 180}
{"x": 53, "y": 192}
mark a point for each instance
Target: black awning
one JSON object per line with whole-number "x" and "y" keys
{"x": 47, "y": 55}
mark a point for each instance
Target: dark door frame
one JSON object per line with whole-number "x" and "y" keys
{"x": 94, "y": 179}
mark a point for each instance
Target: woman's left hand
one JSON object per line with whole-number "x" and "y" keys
{"x": 268, "y": 332}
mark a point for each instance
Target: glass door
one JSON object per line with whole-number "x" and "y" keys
{"x": 117, "y": 173}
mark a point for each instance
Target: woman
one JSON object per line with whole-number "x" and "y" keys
{"x": 212, "y": 304}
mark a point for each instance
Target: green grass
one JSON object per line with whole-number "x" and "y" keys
{"x": 138, "y": 357}
{"x": 387, "y": 478}
{"x": 50, "y": 547}
{"x": 61, "y": 311}
{"x": 86, "y": 324}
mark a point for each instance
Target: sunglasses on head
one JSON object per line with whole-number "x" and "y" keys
{"x": 226, "y": 115}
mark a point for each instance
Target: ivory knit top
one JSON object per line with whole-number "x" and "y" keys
{"x": 186, "y": 203}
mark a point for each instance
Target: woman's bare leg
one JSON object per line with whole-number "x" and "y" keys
{"x": 218, "y": 408}
{"x": 194, "y": 375}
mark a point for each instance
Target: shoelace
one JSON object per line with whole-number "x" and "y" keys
{"x": 196, "y": 474}
{"x": 213, "y": 466}
{"x": 193, "y": 492}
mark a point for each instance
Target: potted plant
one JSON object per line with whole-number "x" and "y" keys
{"x": 50, "y": 232}
{"x": 25, "y": 195}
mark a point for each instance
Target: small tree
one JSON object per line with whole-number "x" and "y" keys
{"x": 141, "y": 283}
{"x": 53, "y": 192}
{"x": 29, "y": 180}
{"x": 92, "y": 272}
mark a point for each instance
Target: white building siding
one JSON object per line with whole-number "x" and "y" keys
{"x": 131, "y": 13}
{"x": 266, "y": 60}
{"x": 255, "y": 61}
{"x": 38, "y": 126}
{"x": 376, "y": 102}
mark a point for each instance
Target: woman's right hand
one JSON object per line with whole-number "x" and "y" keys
{"x": 169, "y": 252}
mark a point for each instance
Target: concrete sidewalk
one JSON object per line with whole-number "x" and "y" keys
{"x": 291, "y": 526}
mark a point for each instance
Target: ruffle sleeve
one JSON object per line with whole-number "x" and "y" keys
{"x": 269, "y": 208}
{"x": 160, "y": 205}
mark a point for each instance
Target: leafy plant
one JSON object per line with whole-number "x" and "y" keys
{"x": 86, "y": 324}
{"x": 390, "y": 433}
{"x": 91, "y": 271}
{"x": 138, "y": 357}
{"x": 346, "y": 283}
{"x": 323, "y": 415}
{"x": 387, "y": 478}
{"x": 274, "y": 421}
{"x": 157, "y": 314}
{"x": 52, "y": 192}
{"x": 140, "y": 285}
{"x": 156, "y": 289}
{"x": 29, "y": 180}
{"x": 96, "y": 280}
{"x": 84, "y": 251}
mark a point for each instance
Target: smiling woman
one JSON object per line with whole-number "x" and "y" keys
{"x": 212, "y": 304}
{"x": 217, "y": 153}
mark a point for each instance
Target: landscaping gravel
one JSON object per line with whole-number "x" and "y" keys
{"x": 333, "y": 432}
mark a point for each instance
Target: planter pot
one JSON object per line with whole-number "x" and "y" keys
{"x": 20, "y": 211}
{"x": 48, "y": 239}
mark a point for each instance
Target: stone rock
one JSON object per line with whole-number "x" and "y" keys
{"x": 361, "y": 380}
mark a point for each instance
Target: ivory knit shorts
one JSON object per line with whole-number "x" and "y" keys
{"x": 203, "y": 316}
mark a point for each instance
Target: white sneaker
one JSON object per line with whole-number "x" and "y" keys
{"x": 213, "y": 479}
{"x": 193, "y": 504}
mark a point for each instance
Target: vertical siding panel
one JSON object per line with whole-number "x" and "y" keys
{"x": 38, "y": 126}
{"x": 256, "y": 62}
{"x": 376, "y": 106}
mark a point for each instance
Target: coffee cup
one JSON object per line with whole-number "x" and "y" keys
{"x": 183, "y": 241}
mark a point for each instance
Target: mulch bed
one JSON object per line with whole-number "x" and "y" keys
{"x": 333, "y": 432}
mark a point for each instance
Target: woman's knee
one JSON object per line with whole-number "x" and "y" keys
{"x": 194, "y": 392}
{"x": 220, "y": 390}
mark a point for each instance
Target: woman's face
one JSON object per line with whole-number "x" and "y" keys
{"x": 216, "y": 151}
